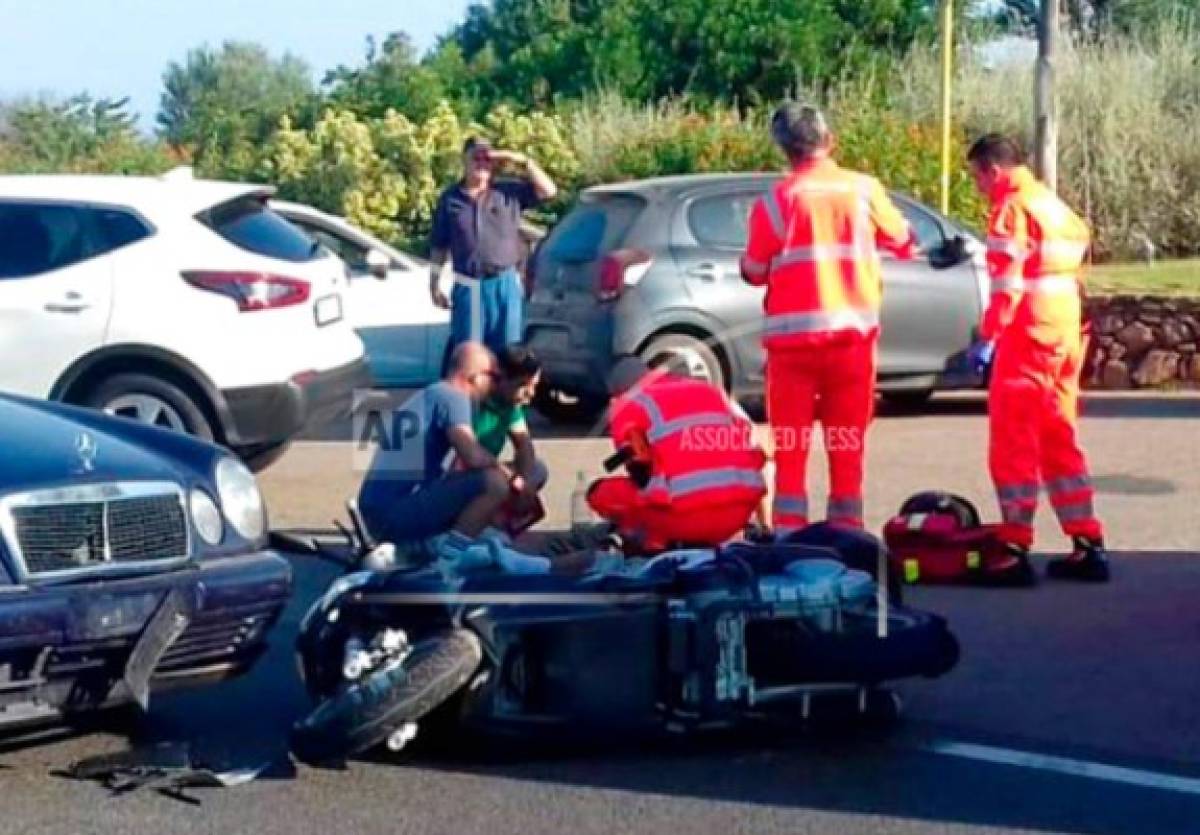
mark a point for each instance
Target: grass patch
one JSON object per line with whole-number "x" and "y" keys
{"x": 1161, "y": 278}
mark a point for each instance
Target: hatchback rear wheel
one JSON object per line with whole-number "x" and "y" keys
{"x": 687, "y": 356}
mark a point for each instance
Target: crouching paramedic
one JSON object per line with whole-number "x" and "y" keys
{"x": 812, "y": 243}
{"x": 696, "y": 475}
{"x": 1036, "y": 246}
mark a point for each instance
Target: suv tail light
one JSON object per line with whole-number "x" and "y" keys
{"x": 620, "y": 269}
{"x": 252, "y": 291}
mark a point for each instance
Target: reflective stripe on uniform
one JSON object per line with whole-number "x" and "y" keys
{"x": 660, "y": 431}
{"x": 818, "y": 187}
{"x": 755, "y": 268}
{"x": 1051, "y": 285}
{"x": 657, "y": 485}
{"x": 651, "y": 408}
{"x": 1068, "y": 484}
{"x": 812, "y": 254}
{"x": 818, "y": 321}
{"x": 1075, "y": 511}
{"x": 1005, "y": 246}
{"x": 1017, "y": 491}
{"x": 1017, "y": 514}
{"x": 845, "y": 508}
{"x": 714, "y": 479}
{"x": 1062, "y": 250}
{"x": 774, "y": 214}
{"x": 1007, "y": 284}
{"x": 791, "y": 506}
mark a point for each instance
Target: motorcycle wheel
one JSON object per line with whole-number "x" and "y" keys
{"x": 364, "y": 713}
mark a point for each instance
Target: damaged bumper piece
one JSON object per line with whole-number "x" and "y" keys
{"x": 72, "y": 648}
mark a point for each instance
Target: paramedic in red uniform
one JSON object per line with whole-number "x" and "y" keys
{"x": 812, "y": 243}
{"x": 695, "y": 475}
{"x": 1035, "y": 249}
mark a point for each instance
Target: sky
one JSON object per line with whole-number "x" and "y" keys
{"x": 115, "y": 48}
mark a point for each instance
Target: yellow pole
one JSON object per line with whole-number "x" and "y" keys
{"x": 947, "y": 80}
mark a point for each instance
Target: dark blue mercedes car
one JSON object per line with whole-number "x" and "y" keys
{"x": 131, "y": 559}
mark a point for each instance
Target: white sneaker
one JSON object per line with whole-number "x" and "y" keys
{"x": 459, "y": 553}
{"x": 515, "y": 562}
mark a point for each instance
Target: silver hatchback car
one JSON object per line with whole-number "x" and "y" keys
{"x": 650, "y": 267}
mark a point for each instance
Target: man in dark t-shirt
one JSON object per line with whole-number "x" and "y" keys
{"x": 477, "y": 226}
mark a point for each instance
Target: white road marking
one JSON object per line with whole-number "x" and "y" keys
{"x": 1064, "y": 765}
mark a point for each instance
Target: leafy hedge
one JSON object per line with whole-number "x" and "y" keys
{"x": 385, "y": 174}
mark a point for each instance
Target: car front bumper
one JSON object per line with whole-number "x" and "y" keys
{"x": 274, "y": 414}
{"x": 66, "y": 649}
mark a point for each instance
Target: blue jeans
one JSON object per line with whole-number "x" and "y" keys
{"x": 428, "y": 510}
{"x": 489, "y": 310}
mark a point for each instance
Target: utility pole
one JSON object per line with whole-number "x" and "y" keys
{"x": 947, "y": 80}
{"x": 1045, "y": 108}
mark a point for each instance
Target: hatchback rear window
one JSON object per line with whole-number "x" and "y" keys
{"x": 723, "y": 220}
{"x": 592, "y": 229}
{"x": 250, "y": 224}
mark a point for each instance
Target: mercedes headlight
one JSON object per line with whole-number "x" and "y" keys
{"x": 240, "y": 499}
{"x": 206, "y": 517}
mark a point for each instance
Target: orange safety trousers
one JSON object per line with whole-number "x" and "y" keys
{"x": 619, "y": 500}
{"x": 1033, "y": 406}
{"x": 834, "y": 384}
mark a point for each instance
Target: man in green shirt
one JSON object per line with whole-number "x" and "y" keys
{"x": 500, "y": 419}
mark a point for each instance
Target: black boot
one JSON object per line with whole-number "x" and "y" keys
{"x": 1014, "y": 569}
{"x": 1088, "y": 562}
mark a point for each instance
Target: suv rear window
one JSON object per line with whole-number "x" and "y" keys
{"x": 250, "y": 224}
{"x": 593, "y": 228}
{"x": 39, "y": 238}
{"x": 116, "y": 228}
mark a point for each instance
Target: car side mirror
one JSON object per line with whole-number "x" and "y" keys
{"x": 378, "y": 264}
{"x": 950, "y": 254}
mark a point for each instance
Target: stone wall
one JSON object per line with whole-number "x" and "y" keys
{"x": 1143, "y": 342}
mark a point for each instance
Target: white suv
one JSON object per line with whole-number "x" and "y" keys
{"x": 184, "y": 303}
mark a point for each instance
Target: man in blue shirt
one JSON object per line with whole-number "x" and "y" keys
{"x": 408, "y": 496}
{"x": 476, "y": 225}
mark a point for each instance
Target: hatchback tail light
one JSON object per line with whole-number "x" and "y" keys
{"x": 252, "y": 291}
{"x": 620, "y": 269}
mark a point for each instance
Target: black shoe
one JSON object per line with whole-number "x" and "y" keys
{"x": 1088, "y": 562}
{"x": 757, "y": 534}
{"x": 1014, "y": 569}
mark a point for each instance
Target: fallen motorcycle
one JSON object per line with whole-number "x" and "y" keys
{"x": 691, "y": 640}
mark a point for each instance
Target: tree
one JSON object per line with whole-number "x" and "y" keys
{"x": 532, "y": 52}
{"x": 223, "y": 103}
{"x": 1092, "y": 18}
{"x": 57, "y": 132}
{"x": 80, "y": 133}
{"x": 392, "y": 78}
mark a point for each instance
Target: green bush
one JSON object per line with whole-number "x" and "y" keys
{"x": 385, "y": 174}
{"x": 616, "y": 141}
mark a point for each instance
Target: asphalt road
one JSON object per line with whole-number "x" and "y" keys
{"x": 1074, "y": 709}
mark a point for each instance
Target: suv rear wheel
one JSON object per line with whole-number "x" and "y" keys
{"x": 686, "y": 355}
{"x": 151, "y": 400}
